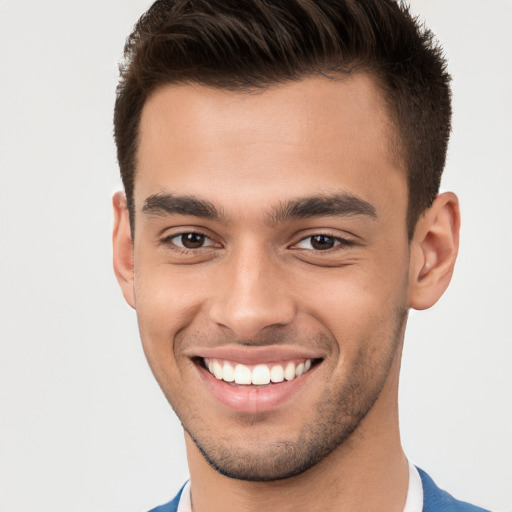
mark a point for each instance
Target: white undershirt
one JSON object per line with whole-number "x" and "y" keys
{"x": 414, "y": 502}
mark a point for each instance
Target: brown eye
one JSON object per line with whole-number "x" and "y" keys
{"x": 192, "y": 240}
{"x": 322, "y": 242}
{"x": 190, "y": 243}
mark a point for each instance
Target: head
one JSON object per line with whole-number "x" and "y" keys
{"x": 281, "y": 168}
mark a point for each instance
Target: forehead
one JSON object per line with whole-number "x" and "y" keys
{"x": 314, "y": 135}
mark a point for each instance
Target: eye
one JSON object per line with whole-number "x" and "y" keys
{"x": 321, "y": 242}
{"x": 190, "y": 240}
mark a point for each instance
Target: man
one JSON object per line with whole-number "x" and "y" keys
{"x": 281, "y": 164}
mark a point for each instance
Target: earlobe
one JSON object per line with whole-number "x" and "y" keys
{"x": 434, "y": 250}
{"x": 123, "y": 248}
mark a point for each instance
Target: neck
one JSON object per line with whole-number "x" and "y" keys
{"x": 368, "y": 472}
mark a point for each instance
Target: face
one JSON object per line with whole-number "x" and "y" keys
{"x": 270, "y": 267}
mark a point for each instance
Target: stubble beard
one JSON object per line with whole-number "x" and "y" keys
{"x": 337, "y": 416}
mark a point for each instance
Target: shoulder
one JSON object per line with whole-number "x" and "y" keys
{"x": 172, "y": 506}
{"x": 437, "y": 500}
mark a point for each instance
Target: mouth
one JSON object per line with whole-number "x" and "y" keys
{"x": 261, "y": 374}
{"x": 255, "y": 386}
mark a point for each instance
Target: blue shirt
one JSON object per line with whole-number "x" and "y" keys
{"x": 434, "y": 500}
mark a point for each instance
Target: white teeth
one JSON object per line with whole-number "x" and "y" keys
{"x": 277, "y": 373}
{"x": 217, "y": 370}
{"x": 259, "y": 375}
{"x": 228, "y": 372}
{"x": 289, "y": 371}
{"x": 242, "y": 374}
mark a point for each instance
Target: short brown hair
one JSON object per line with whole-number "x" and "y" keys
{"x": 245, "y": 44}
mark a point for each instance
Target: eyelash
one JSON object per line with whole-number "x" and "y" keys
{"x": 168, "y": 241}
{"x": 339, "y": 242}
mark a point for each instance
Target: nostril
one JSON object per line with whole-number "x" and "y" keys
{"x": 247, "y": 320}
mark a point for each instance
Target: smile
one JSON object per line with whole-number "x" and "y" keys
{"x": 255, "y": 380}
{"x": 258, "y": 374}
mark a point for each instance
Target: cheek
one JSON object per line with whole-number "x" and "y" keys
{"x": 165, "y": 297}
{"x": 358, "y": 303}
{"x": 164, "y": 306}
{"x": 165, "y": 302}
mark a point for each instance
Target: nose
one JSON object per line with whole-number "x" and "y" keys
{"x": 252, "y": 294}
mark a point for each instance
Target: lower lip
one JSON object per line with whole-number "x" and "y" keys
{"x": 253, "y": 399}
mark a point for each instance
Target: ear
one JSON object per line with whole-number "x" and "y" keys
{"x": 434, "y": 250}
{"x": 123, "y": 248}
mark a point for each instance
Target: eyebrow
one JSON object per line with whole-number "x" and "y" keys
{"x": 169, "y": 204}
{"x": 305, "y": 207}
{"x": 323, "y": 206}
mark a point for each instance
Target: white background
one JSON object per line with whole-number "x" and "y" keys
{"x": 83, "y": 427}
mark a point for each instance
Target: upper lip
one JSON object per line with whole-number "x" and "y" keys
{"x": 255, "y": 355}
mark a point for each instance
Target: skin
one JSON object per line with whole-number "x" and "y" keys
{"x": 259, "y": 282}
